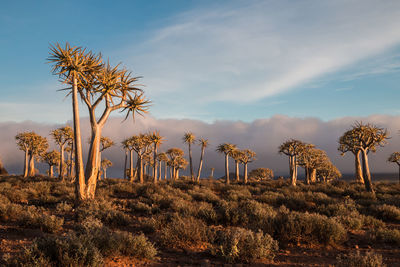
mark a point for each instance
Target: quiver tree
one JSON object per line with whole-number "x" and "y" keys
{"x": 175, "y": 155}
{"x": 247, "y": 157}
{"x": 260, "y": 174}
{"x": 292, "y": 148}
{"x": 52, "y": 158}
{"x": 349, "y": 142}
{"x": 105, "y": 143}
{"x": 312, "y": 159}
{"x": 62, "y": 136}
{"x": 368, "y": 138}
{"x": 203, "y": 143}
{"x": 328, "y": 172}
{"x": 99, "y": 85}
{"x": 127, "y": 145}
{"x": 237, "y": 155}
{"x": 156, "y": 140}
{"x": 105, "y": 164}
{"x": 70, "y": 158}
{"x": 34, "y": 146}
{"x": 227, "y": 150}
{"x": 23, "y": 144}
{"x": 179, "y": 164}
{"x": 189, "y": 138}
{"x": 162, "y": 157}
{"x": 212, "y": 172}
{"x": 3, "y": 171}
{"x": 395, "y": 158}
{"x": 141, "y": 145}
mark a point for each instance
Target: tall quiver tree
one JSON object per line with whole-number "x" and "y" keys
{"x": 22, "y": 143}
{"x": 292, "y": 148}
{"x": 62, "y": 136}
{"x": 237, "y": 156}
{"x": 226, "y": 149}
{"x": 395, "y": 158}
{"x": 368, "y": 138}
{"x": 175, "y": 154}
{"x": 52, "y": 158}
{"x": 189, "y": 138}
{"x": 157, "y": 140}
{"x": 105, "y": 143}
{"x": 73, "y": 65}
{"x": 203, "y": 143}
{"x": 349, "y": 142}
{"x": 246, "y": 157}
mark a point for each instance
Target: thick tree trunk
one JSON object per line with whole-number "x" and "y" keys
{"x": 177, "y": 174}
{"x": 200, "y": 164}
{"x": 155, "y": 163}
{"x": 51, "y": 171}
{"x": 191, "y": 162}
{"x": 237, "y": 171}
{"x": 313, "y": 176}
{"x": 171, "y": 173}
{"x": 26, "y": 164}
{"x": 245, "y": 173}
{"x": 307, "y": 174}
{"x": 80, "y": 178}
{"x": 140, "y": 171}
{"x": 99, "y": 166}
{"x": 62, "y": 161}
{"x": 359, "y": 172}
{"x": 31, "y": 172}
{"x": 293, "y": 178}
{"x": 227, "y": 168}
{"x": 367, "y": 174}
{"x": 92, "y": 165}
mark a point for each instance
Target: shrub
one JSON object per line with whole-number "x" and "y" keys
{"x": 387, "y": 213}
{"x": 63, "y": 207}
{"x": 391, "y": 236}
{"x": 238, "y": 244}
{"x": 370, "y": 259}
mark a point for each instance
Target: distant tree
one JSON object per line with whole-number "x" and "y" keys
{"x": 105, "y": 143}
{"x": 34, "y": 146}
{"x": 292, "y": 148}
{"x": 189, "y": 138}
{"x": 141, "y": 144}
{"x": 180, "y": 163}
{"x": 227, "y": 150}
{"x": 62, "y": 136}
{"x": 157, "y": 140}
{"x": 70, "y": 158}
{"x": 328, "y": 172}
{"x": 52, "y": 158}
{"x": 175, "y": 154}
{"x": 212, "y": 172}
{"x": 105, "y": 164}
{"x": 22, "y": 140}
{"x": 261, "y": 174}
{"x": 3, "y": 171}
{"x": 127, "y": 144}
{"x": 395, "y": 158}
{"x": 247, "y": 157}
{"x": 203, "y": 143}
{"x": 162, "y": 157}
{"x": 237, "y": 156}
{"x": 367, "y": 138}
{"x": 349, "y": 142}
{"x": 312, "y": 159}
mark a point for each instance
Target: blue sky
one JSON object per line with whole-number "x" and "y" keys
{"x": 212, "y": 60}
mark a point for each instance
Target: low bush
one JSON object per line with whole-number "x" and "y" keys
{"x": 390, "y": 236}
{"x": 370, "y": 259}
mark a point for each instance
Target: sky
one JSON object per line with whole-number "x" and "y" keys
{"x": 211, "y": 61}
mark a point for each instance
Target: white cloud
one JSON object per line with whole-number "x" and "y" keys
{"x": 251, "y": 50}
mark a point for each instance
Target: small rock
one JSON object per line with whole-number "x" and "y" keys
{"x": 356, "y": 246}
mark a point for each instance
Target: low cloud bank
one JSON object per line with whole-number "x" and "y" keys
{"x": 262, "y": 135}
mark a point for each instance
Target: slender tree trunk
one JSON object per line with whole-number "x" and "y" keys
{"x": 26, "y": 159}
{"x": 105, "y": 173}
{"x": 92, "y": 165}
{"x": 245, "y": 173}
{"x": 155, "y": 163}
{"x": 200, "y": 164}
{"x": 159, "y": 175}
{"x": 125, "y": 163}
{"x": 51, "y": 171}
{"x": 227, "y": 168}
{"x": 31, "y": 166}
{"x": 177, "y": 174}
{"x": 237, "y": 171}
{"x": 80, "y": 178}
{"x": 141, "y": 170}
{"x": 212, "y": 173}
{"x": 313, "y": 176}
{"x": 62, "y": 162}
{"x": 165, "y": 170}
{"x": 359, "y": 172}
{"x": 170, "y": 173}
{"x": 367, "y": 174}
{"x": 399, "y": 173}
{"x": 307, "y": 174}
{"x": 293, "y": 178}
{"x": 191, "y": 162}
{"x": 291, "y": 166}
{"x": 71, "y": 162}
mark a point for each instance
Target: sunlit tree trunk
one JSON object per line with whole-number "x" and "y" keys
{"x": 26, "y": 159}
{"x": 104, "y": 173}
{"x": 31, "y": 172}
{"x": 200, "y": 164}
{"x": 307, "y": 174}
{"x": 160, "y": 177}
{"x": 191, "y": 162}
{"x": 131, "y": 174}
{"x": 92, "y": 166}
{"x": 359, "y": 172}
{"x": 140, "y": 171}
{"x": 80, "y": 178}
{"x": 237, "y": 171}
{"x": 165, "y": 170}
{"x": 227, "y": 168}
{"x": 177, "y": 174}
{"x": 51, "y": 171}
{"x": 155, "y": 163}
{"x": 125, "y": 163}
{"x": 293, "y": 178}
{"x": 212, "y": 173}
{"x": 245, "y": 173}
{"x": 62, "y": 161}
{"x": 367, "y": 174}
{"x": 313, "y": 176}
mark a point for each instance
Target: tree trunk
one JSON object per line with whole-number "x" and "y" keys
{"x": 313, "y": 176}
{"x": 359, "y": 172}
{"x": 105, "y": 173}
{"x": 80, "y": 178}
{"x": 307, "y": 174}
{"x": 26, "y": 164}
{"x": 177, "y": 174}
{"x": 227, "y": 168}
{"x": 367, "y": 174}
{"x": 293, "y": 178}
{"x": 131, "y": 176}
{"x": 140, "y": 171}
{"x": 165, "y": 170}
{"x": 70, "y": 172}
{"x": 399, "y": 173}
{"x": 125, "y": 163}
{"x": 155, "y": 163}
{"x": 92, "y": 164}
{"x": 171, "y": 173}
{"x": 212, "y": 173}
{"x": 51, "y": 171}
{"x": 159, "y": 171}
{"x": 61, "y": 173}
{"x": 200, "y": 164}
{"x": 31, "y": 171}
{"x": 191, "y": 162}
{"x": 237, "y": 171}
{"x": 245, "y": 173}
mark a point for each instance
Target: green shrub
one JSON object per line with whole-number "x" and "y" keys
{"x": 387, "y": 213}
{"x": 238, "y": 244}
{"x": 391, "y": 236}
{"x": 370, "y": 259}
